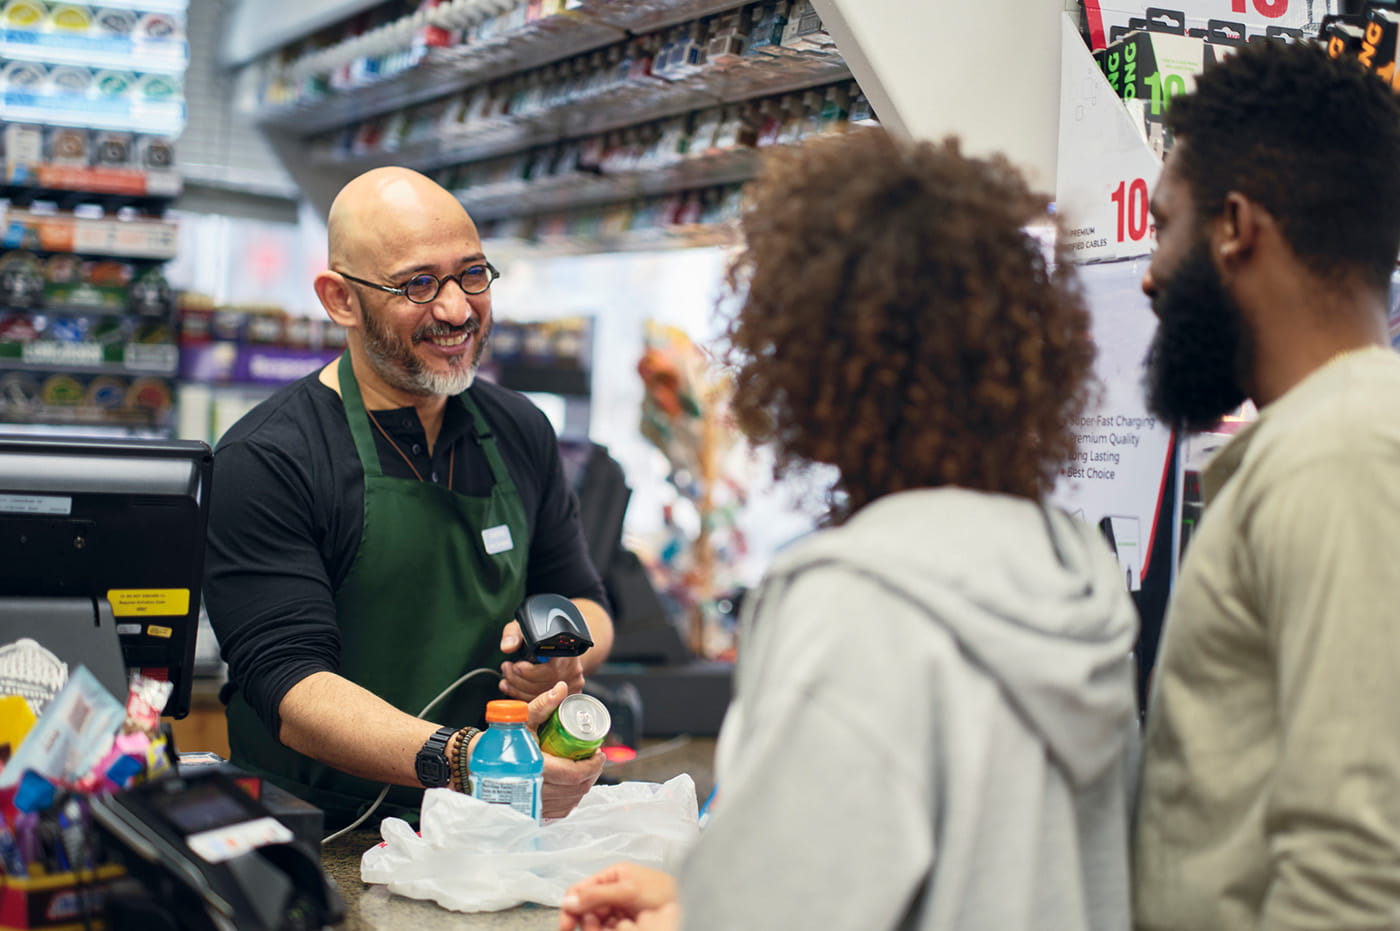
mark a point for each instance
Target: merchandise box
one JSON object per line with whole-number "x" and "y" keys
{"x": 57, "y": 901}
{"x": 1148, "y": 69}
{"x": 1378, "y": 43}
{"x": 1373, "y": 39}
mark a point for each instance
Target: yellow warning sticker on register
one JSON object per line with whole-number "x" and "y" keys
{"x": 149, "y": 602}
{"x": 164, "y": 632}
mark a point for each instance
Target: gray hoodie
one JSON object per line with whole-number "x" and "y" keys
{"x": 933, "y": 720}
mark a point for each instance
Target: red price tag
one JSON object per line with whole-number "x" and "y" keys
{"x": 1132, "y": 200}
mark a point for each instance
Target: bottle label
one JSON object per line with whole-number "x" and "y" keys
{"x": 522, "y": 794}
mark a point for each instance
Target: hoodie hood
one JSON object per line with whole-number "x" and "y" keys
{"x": 1033, "y": 597}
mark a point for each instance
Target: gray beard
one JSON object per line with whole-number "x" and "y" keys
{"x": 394, "y": 361}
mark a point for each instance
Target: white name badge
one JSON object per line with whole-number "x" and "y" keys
{"x": 497, "y": 539}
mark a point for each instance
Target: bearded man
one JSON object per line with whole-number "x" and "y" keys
{"x": 1270, "y": 793}
{"x": 375, "y": 525}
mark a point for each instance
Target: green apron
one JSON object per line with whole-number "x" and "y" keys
{"x": 427, "y": 595}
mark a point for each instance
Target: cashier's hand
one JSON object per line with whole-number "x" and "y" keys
{"x": 625, "y": 897}
{"x": 565, "y": 781}
{"x": 525, "y": 680}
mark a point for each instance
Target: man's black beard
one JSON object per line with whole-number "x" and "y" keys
{"x": 1197, "y": 359}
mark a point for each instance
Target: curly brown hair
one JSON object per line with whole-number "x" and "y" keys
{"x": 900, "y": 323}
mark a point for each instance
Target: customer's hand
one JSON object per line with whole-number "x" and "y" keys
{"x": 625, "y": 897}
{"x": 525, "y": 679}
{"x": 565, "y": 781}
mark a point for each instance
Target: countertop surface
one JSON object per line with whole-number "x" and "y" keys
{"x": 374, "y": 907}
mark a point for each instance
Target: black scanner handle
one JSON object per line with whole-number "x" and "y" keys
{"x": 551, "y": 626}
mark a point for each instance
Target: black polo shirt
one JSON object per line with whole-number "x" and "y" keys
{"x": 287, "y": 510}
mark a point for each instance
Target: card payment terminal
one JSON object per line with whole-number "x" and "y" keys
{"x": 215, "y": 858}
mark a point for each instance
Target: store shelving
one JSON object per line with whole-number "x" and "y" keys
{"x": 521, "y": 90}
{"x": 440, "y": 71}
{"x": 687, "y": 236}
{"x": 48, "y": 180}
{"x": 148, "y": 6}
{"x": 650, "y": 15}
{"x": 156, "y": 56}
{"x": 576, "y": 190}
{"x": 623, "y": 104}
{"x": 119, "y": 68}
{"x": 91, "y": 104}
{"x": 90, "y": 357}
{"x": 162, "y": 118}
{"x": 135, "y": 238}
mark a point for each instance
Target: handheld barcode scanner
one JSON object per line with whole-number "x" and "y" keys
{"x": 551, "y": 626}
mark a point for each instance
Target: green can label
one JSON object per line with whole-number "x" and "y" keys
{"x": 576, "y": 728}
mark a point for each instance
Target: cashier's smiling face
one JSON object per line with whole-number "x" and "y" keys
{"x": 416, "y": 228}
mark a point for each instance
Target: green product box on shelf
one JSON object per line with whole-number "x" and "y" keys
{"x": 1148, "y": 69}
{"x": 1154, "y": 67}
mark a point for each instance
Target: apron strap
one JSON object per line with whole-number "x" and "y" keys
{"x": 481, "y": 431}
{"x": 359, "y": 420}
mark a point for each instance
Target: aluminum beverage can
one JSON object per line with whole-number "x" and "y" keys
{"x": 576, "y": 728}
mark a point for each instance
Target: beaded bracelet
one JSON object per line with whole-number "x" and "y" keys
{"x": 465, "y": 736}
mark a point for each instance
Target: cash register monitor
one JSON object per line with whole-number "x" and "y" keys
{"x": 114, "y": 528}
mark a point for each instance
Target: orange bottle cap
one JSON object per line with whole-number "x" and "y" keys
{"x": 507, "y": 711}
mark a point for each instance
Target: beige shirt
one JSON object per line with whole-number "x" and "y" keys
{"x": 1270, "y": 795}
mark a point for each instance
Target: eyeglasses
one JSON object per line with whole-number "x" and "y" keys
{"x": 422, "y": 289}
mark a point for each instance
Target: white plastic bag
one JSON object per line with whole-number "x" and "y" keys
{"x": 477, "y": 857}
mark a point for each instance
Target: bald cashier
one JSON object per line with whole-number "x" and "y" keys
{"x": 375, "y": 525}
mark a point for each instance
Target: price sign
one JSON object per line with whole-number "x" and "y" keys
{"x": 1106, "y": 169}
{"x": 1271, "y": 9}
{"x": 1132, "y": 202}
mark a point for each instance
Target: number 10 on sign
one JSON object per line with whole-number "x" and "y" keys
{"x": 1131, "y": 199}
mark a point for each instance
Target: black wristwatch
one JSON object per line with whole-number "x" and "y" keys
{"x": 431, "y": 766}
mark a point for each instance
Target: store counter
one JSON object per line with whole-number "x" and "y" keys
{"x": 374, "y": 907}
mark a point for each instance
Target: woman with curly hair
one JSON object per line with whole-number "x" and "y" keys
{"x": 934, "y": 702}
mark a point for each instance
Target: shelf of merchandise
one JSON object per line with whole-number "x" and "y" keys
{"x": 650, "y": 15}
{"x": 91, "y": 358}
{"x": 440, "y": 72}
{"x": 576, "y": 190}
{"x": 148, "y": 6}
{"x": 691, "y": 236}
{"x": 155, "y": 117}
{"x": 136, "y": 239}
{"x": 628, "y": 103}
{"x": 132, "y": 422}
{"x": 427, "y": 117}
{"x": 86, "y": 355}
{"x": 46, "y": 180}
{"x": 162, "y": 56}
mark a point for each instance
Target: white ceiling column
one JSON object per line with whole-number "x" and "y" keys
{"x": 985, "y": 70}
